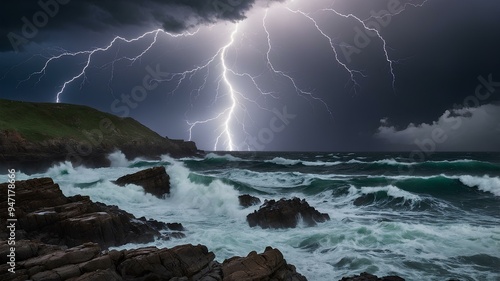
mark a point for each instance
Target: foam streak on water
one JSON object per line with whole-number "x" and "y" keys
{"x": 441, "y": 220}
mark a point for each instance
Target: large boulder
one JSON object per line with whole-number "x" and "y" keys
{"x": 49, "y": 222}
{"x": 186, "y": 262}
{"x": 164, "y": 264}
{"x": 285, "y": 214}
{"x": 44, "y": 213}
{"x": 154, "y": 181}
{"x": 88, "y": 262}
{"x": 247, "y": 201}
{"x": 269, "y": 265}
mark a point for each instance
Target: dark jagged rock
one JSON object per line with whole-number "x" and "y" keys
{"x": 164, "y": 264}
{"x": 248, "y": 200}
{"x": 285, "y": 214}
{"x": 53, "y": 133}
{"x": 44, "y": 213}
{"x": 154, "y": 181}
{"x": 88, "y": 262}
{"x": 186, "y": 262}
{"x": 187, "y": 147}
{"x": 269, "y": 265}
{"x": 175, "y": 226}
{"x": 369, "y": 277}
{"x": 53, "y": 222}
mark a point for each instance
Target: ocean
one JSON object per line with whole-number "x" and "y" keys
{"x": 432, "y": 220}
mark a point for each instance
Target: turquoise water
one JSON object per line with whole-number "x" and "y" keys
{"x": 431, "y": 220}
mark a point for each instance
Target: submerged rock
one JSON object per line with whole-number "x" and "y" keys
{"x": 248, "y": 200}
{"x": 369, "y": 277}
{"x": 285, "y": 214}
{"x": 154, "y": 181}
{"x": 44, "y": 213}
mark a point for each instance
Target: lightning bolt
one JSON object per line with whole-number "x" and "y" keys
{"x": 352, "y": 72}
{"x": 226, "y": 116}
{"x": 271, "y": 66}
{"x": 384, "y": 43}
{"x": 229, "y": 112}
{"x": 90, "y": 54}
{"x": 364, "y": 23}
{"x": 227, "y": 90}
{"x": 405, "y": 5}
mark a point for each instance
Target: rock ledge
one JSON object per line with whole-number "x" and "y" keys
{"x": 285, "y": 214}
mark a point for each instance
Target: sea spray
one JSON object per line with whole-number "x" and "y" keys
{"x": 440, "y": 222}
{"x": 485, "y": 183}
{"x": 215, "y": 198}
{"x": 118, "y": 159}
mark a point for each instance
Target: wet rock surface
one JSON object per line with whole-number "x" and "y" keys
{"x": 44, "y": 213}
{"x": 154, "y": 181}
{"x": 269, "y": 265}
{"x": 247, "y": 201}
{"x": 285, "y": 213}
{"x": 87, "y": 262}
{"x": 65, "y": 238}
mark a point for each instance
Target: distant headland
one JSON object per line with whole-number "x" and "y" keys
{"x": 34, "y": 136}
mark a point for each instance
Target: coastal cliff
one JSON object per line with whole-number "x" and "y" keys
{"x": 36, "y": 135}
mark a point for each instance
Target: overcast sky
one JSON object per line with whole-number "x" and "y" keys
{"x": 268, "y": 75}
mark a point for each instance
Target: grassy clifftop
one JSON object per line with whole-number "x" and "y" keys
{"x": 45, "y": 121}
{"x": 41, "y": 134}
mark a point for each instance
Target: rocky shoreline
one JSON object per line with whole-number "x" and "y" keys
{"x": 39, "y": 261}
{"x": 34, "y": 157}
{"x": 67, "y": 238}
{"x": 34, "y": 136}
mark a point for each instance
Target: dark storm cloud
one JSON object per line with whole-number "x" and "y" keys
{"x": 171, "y": 15}
{"x": 469, "y": 129}
{"x": 443, "y": 53}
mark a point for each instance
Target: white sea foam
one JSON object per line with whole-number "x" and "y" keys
{"x": 485, "y": 183}
{"x": 227, "y": 157}
{"x": 320, "y": 163}
{"x": 291, "y": 162}
{"x": 118, "y": 159}
{"x": 283, "y": 161}
{"x": 216, "y": 198}
{"x": 268, "y": 179}
{"x": 392, "y": 191}
{"x": 355, "y": 240}
{"x": 391, "y": 162}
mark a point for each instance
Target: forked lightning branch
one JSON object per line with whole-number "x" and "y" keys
{"x": 229, "y": 102}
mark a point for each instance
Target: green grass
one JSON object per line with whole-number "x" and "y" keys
{"x": 45, "y": 121}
